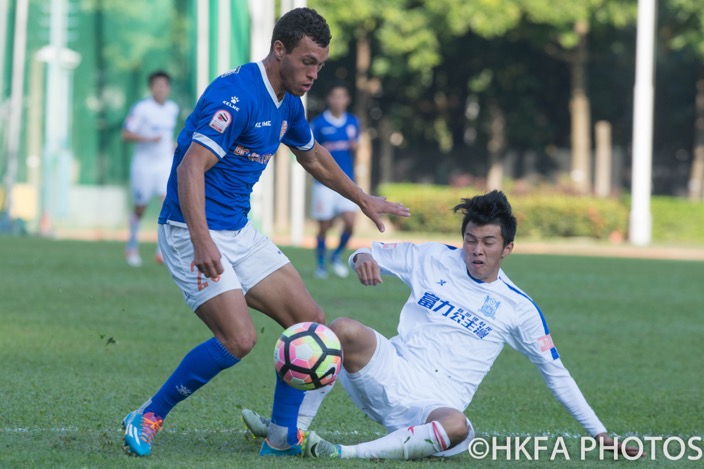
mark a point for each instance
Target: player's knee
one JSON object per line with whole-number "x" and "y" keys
{"x": 241, "y": 344}
{"x": 457, "y": 427}
{"x": 346, "y": 329}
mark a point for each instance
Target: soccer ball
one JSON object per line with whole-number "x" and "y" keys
{"x": 308, "y": 356}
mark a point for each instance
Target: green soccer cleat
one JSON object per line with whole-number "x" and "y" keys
{"x": 258, "y": 425}
{"x": 316, "y": 447}
{"x": 139, "y": 432}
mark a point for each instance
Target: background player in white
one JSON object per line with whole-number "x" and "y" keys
{"x": 150, "y": 126}
{"x": 338, "y": 131}
{"x": 222, "y": 265}
{"x": 461, "y": 312}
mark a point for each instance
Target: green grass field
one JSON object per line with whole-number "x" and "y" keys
{"x": 84, "y": 339}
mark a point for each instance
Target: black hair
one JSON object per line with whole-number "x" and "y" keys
{"x": 300, "y": 22}
{"x": 489, "y": 209}
{"x": 158, "y": 74}
{"x": 337, "y": 84}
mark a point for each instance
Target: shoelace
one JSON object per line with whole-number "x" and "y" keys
{"x": 150, "y": 426}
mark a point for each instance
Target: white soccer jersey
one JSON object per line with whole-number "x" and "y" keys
{"x": 150, "y": 119}
{"x": 455, "y": 326}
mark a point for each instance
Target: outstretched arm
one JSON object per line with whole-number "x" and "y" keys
{"x": 565, "y": 389}
{"x": 321, "y": 165}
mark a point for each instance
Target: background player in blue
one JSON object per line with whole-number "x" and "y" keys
{"x": 461, "y": 312}
{"x": 220, "y": 262}
{"x": 338, "y": 131}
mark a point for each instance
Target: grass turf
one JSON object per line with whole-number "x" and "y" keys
{"x": 84, "y": 339}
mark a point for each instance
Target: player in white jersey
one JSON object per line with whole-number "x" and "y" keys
{"x": 150, "y": 126}
{"x": 461, "y": 312}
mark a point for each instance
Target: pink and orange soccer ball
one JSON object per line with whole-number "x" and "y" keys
{"x": 308, "y": 356}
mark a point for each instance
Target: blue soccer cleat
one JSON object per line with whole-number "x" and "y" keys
{"x": 294, "y": 450}
{"x": 139, "y": 432}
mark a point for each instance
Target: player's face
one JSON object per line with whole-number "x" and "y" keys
{"x": 338, "y": 100}
{"x": 300, "y": 67}
{"x": 160, "y": 89}
{"x": 484, "y": 251}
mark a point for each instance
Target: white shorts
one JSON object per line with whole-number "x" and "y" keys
{"x": 148, "y": 180}
{"x": 394, "y": 393}
{"x": 326, "y": 204}
{"x": 247, "y": 257}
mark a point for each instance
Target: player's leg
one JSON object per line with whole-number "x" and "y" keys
{"x": 348, "y": 215}
{"x": 283, "y": 297}
{"x": 323, "y": 211}
{"x": 141, "y": 192}
{"x": 445, "y": 428}
{"x": 220, "y": 304}
{"x": 320, "y": 248}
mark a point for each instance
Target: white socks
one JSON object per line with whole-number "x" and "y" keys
{"x": 407, "y": 443}
{"x": 310, "y": 405}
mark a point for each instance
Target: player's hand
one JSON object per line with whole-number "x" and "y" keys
{"x": 374, "y": 206}
{"x": 367, "y": 270}
{"x": 206, "y": 258}
{"x": 605, "y": 440}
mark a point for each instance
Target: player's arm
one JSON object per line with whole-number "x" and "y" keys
{"x": 320, "y": 164}
{"x": 191, "y": 193}
{"x": 366, "y": 268}
{"x": 565, "y": 390}
{"x": 129, "y": 136}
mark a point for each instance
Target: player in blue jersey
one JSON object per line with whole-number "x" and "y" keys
{"x": 220, "y": 262}
{"x": 338, "y": 131}
{"x": 461, "y": 312}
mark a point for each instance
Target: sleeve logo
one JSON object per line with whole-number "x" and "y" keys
{"x": 221, "y": 121}
{"x": 545, "y": 343}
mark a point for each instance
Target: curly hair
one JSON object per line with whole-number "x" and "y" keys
{"x": 300, "y": 22}
{"x": 489, "y": 209}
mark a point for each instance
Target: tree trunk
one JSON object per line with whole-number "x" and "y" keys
{"x": 496, "y": 146}
{"x": 696, "y": 175}
{"x": 580, "y": 114}
{"x": 363, "y": 167}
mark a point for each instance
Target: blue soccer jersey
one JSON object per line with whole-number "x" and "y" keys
{"x": 240, "y": 120}
{"x": 337, "y": 135}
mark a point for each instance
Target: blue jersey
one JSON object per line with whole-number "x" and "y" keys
{"x": 240, "y": 120}
{"x": 337, "y": 135}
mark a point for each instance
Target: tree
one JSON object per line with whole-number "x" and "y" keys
{"x": 681, "y": 31}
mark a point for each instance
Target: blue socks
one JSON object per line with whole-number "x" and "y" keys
{"x": 199, "y": 366}
{"x": 320, "y": 251}
{"x": 284, "y": 413}
{"x": 344, "y": 238}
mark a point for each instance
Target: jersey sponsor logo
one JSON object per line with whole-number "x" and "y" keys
{"x": 232, "y": 102}
{"x": 221, "y": 120}
{"x": 337, "y": 145}
{"x": 261, "y": 124}
{"x": 490, "y": 306}
{"x": 545, "y": 343}
{"x": 284, "y": 128}
{"x": 454, "y": 313}
{"x": 252, "y": 156}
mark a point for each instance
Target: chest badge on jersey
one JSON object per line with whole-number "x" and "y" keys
{"x": 221, "y": 120}
{"x": 489, "y": 307}
{"x": 284, "y": 128}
